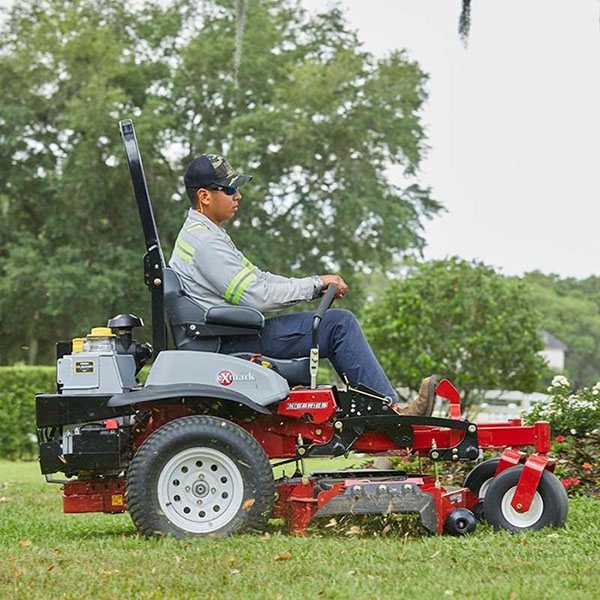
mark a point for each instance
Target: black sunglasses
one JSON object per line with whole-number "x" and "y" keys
{"x": 230, "y": 191}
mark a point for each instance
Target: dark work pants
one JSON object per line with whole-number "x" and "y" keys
{"x": 341, "y": 340}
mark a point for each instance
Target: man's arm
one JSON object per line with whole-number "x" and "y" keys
{"x": 239, "y": 282}
{"x": 320, "y": 282}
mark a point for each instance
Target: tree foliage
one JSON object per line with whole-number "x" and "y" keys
{"x": 458, "y": 320}
{"x": 312, "y": 116}
{"x": 570, "y": 310}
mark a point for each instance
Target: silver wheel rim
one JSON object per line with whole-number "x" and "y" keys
{"x": 200, "y": 490}
{"x": 524, "y": 519}
{"x": 484, "y": 487}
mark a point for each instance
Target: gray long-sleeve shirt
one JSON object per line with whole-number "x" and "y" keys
{"x": 214, "y": 272}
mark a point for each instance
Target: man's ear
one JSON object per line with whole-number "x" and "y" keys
{"x": 202, "y": 198}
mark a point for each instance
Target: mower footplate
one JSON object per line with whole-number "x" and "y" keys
{"x": 380, "y": 498}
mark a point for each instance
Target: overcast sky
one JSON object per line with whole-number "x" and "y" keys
{"x": 513, "y": 125}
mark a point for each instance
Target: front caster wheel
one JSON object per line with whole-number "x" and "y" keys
{"x": 478, "y": 481}
{"x": 548, "y": 508}
{"x": 198, "y": 476}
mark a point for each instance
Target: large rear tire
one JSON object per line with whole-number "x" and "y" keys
{"x": 199, "y": 476}
{"x": 548, "y": 508}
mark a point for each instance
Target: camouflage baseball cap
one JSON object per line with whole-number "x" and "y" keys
{"x": 213, "y": 169}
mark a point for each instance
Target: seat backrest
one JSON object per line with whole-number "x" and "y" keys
{"x": 184, "y": 315}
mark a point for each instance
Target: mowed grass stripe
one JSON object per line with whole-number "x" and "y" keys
{"x": 48, "y": 554}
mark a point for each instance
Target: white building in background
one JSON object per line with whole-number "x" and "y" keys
{"x": 554, "y": 351}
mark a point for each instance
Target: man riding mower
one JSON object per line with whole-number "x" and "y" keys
{"x": 189, "y": 453}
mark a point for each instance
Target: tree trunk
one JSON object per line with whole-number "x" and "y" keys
{"x": 32, "y": 354}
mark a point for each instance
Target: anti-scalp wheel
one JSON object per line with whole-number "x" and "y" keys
{"x": 200, "y": 475}
{"x": 460, "y": 521}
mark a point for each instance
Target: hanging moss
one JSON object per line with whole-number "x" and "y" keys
{"x": 240, "y": 24}
{"x": 464, "y": 23}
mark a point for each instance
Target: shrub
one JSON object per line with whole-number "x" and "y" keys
{"x": 578, "y": 463}
{"x": 576, "y": 414}
{"x": 18, "y": 386}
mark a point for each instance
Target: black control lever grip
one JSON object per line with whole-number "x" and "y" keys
{"x": 326, "y": 301}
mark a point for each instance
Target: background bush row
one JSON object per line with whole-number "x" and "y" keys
{"x": 18, "y": 387}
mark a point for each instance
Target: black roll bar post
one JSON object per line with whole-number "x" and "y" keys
{"x": 154, "y": 261}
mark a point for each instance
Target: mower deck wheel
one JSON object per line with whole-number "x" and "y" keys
{"x": 548, "y": 508}
{"x": 198, "y": 476}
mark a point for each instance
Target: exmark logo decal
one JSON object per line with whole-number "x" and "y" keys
{"x": 226, "y": 377}
{"x": 306, "y": 405}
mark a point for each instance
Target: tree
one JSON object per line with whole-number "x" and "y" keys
{"x": 570, "y": 310}
{"x": 316, "y": 120}
{"x": 70, "y": 254}
{"x": 459, "y": 320}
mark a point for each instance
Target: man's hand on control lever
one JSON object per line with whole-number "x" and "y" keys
{"x": 342, "y": 286}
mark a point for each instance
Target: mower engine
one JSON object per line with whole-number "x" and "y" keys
{"x": 78, "y": 433}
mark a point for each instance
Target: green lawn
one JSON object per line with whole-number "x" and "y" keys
{"x": 45, "y": 553}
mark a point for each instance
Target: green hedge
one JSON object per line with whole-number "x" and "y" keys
{"x": 18, "y": 387}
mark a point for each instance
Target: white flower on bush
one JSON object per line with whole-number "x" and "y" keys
{"x": 570, "y": 413}
{"x": 581, "y": 404}
{"x": 560, "y": 381}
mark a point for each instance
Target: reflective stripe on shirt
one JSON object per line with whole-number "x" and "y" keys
{"x": 184, "y": 250}
{"x": 241, "y": 281}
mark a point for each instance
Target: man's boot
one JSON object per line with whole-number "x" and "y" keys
{"x": 422, "y": 405}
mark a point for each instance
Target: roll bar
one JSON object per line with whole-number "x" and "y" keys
{"x": 154, "y": 261}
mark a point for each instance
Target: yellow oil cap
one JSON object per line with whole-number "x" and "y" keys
{"x": 77, "y": 344}
{"x": 101, "y": 332}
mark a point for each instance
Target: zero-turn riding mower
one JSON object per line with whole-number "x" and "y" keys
{"x": 191, "y": 451}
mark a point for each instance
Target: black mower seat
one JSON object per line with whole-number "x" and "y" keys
{"x": 194, "y": 328}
